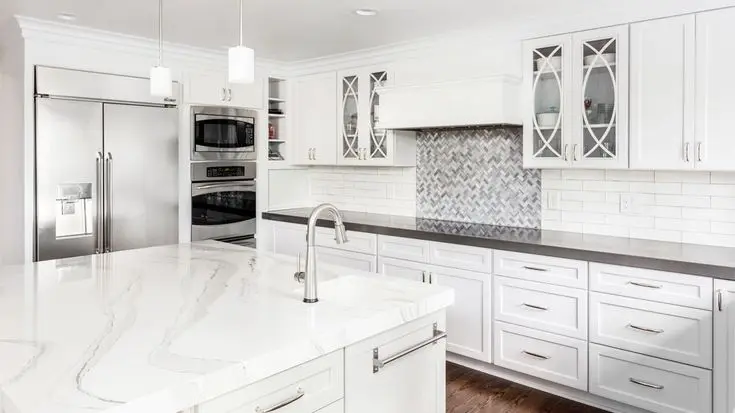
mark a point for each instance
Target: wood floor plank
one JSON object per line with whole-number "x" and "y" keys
{"x": 470, "y": 391}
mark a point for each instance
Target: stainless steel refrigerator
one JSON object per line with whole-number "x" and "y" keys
{"x": 106, "y": 164}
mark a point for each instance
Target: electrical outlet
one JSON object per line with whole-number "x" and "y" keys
{"x": 626, "y": 203}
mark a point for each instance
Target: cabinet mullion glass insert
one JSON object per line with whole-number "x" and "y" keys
{"x": 350, "y": 124}
{"x": 378, "y": 137}
{"x": 548, "y": 107}
{"x": 600, "y": 108}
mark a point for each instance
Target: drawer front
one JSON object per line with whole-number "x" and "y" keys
{"x": 548, "y": 356}
{"x": 403, "y": 248}
{"x": 414, "y": 271}
{"x": 347, "y": 259}
{"x": 649, "y": 383}
{"x": 461, "y": 256}
{"x": 550, "y": 270}
{"x": 310, "y": 387}
{"x": 337, "y": 407}
{"x": 551, "y": 308}
{"x": 664, "y": 287}
{"x": 660, "y": 330}
{"x": 361, "y": 242}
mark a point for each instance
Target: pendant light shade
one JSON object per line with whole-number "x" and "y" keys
{"x": 241, "y": 60}
{"x": 161, "y": 82}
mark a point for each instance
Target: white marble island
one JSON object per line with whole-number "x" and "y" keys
{"x": 166, "y": 329}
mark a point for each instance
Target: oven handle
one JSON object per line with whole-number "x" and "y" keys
{"x": 231, "y": 185}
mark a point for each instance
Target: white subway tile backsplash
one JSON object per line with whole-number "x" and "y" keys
{"x": 709, "y": 189}
{"x": 710, "y": 214}
{"x": 727, "y": 228}
{"x": 583, "y": 175}
{"x": 656, "y": 234}
{"x": 629, "y": 176}
{"x": 584, "y": 196}
{"x": 562, "y": 185}
{"x": 723, "y": 178}
{"x": 655, "y": 188}
{"x": 606, "y": 186}
{"x": 551, "y": 174}
{"x": 683, "y": 201}
{"x": 603, "y": 207}
{"x": 602, "y": 229}
{"x": 574, "y": 206}
{"x": 583, "y": 217}
{"x": 708, "y": 238}
{"x": 688, "y": 225}
{"x": 630, "y": 221}
{"x": 723, "y": 203}
{"x": 682, "y": 177}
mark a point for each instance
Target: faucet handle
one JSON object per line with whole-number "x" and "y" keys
{"x": 299, "y": 276}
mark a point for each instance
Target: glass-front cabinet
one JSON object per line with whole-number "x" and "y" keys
{"x": 361, "y": 141}
{"x": 576, "y": 87}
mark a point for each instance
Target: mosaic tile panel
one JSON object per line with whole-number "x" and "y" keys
{"x": 476, "y": 175}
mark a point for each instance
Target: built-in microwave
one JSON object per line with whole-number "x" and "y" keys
{"x": 220, "y": 133}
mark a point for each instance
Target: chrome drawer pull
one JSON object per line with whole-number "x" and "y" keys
{"x": 535, "y": 268}
{"x": 646, "y": 384}
{"x": 299, "y": 394}
{"x": 639, "y": 284}
{"x": 719, "y": 300}
{"x": 645, "y": 330}
{"x": 379, "y": 364}
{"x": 534, "y": 355}
{"x": 535, "y": 307}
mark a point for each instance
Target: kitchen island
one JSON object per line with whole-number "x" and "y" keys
{"x": 209, "y": 327}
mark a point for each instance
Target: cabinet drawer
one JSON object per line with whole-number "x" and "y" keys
{"x": 314, "y": 385}
{"x": 660, "y": 330}
{"x": 548, "y": 356}
{"x": 347, "y": 259}
{"x": 664, "y": 287}
{"x": 550, "y": 270}
{"x": 403, "y": 248}
{"x": 337, "y": 407}
{"x": 461, "y": 256}
{"x": 551, "y": 308}
{"x": 358, "y": 241}
{"x": 649, "y": 383}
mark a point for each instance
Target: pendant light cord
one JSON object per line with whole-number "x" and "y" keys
{"x": 241, "y": 18}
{"x": 160, "y": 32}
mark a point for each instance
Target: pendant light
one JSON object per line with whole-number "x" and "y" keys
{"x": 241, "y": 60}
{"x": 161, "y": 84}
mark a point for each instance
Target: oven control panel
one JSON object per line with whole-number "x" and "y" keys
{"x": 225, "y": 171}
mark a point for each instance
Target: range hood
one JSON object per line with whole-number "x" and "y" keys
{"x": 478, "y": 102}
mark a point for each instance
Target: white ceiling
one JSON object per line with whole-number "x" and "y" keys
{"x": 290, "y": 30}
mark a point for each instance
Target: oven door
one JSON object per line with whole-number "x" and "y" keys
{"x": 223, "y": 136}
{"x": 222, "y": 210}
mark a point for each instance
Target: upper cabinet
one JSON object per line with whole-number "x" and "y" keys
{"x": 360, "y": 141}
{"x": 576, "y": 89}
{"x": 315, "y": 114}
{"x": 214, "y": 89}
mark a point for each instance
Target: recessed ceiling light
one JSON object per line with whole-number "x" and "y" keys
{"x": 67, "y": 17}
{"x": 366, "y": 12}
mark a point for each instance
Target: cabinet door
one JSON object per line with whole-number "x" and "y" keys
{"x": 414, "y": 271}
{"x": 289, "y": 239}
{"x": 347, "y": 259}
{"x": 662, "y": 100}
{"x": 206, "y": 89}
{"x": 414, "y": 382}
{"x": 546, "y": 84}
{"x": 247, "y": 96}
{"x": 724, "y": 363}
{"x": 714, "y": 146}
{"x": 468, "y": 320}
{"x": 378, "y": 146}
{"x": 600, "y": 98}
{"x": 349, "y": 118}
{"x": 315, "y": 115}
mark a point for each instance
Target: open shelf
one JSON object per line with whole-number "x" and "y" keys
{"x": 276, "y": 115}
{"x": 277, "y": 96}
{"x": 276, "y": 141}
{"x": 276, "y": 100}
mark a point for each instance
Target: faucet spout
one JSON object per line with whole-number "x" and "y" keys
{"x": 340, "y": 236}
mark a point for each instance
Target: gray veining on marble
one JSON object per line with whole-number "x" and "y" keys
{"x": 709, "y": 261}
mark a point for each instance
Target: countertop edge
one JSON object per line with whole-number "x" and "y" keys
{"x": 603, "y": 257}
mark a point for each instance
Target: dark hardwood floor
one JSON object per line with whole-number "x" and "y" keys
{"x": 470, "y": 391}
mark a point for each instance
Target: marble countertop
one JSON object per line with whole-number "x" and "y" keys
{"x": 709, "y": 261}
{"x": 166, "y": 328}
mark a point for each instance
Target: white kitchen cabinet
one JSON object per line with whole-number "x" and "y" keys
{"x": 410, "y": 382}
{"x": 714, "y": 146}
{"x": 315, "y": 114}
{"x": 360, "y": 141}
{"x": 662, "y": 84}
{"x": 414, "y": 271}
{"x": 577, "y": 119}
{"x": 289, "y": 239}
{"x": 214, "y": 89}
{"x": 724, "y": 360}
{"x": 348, "y": 259}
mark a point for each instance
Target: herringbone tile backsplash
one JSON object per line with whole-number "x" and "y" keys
{"x": 476, "y": 175}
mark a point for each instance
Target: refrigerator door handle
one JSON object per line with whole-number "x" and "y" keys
{"x": 99, "y": 215}
{"x": 108, "y": 203}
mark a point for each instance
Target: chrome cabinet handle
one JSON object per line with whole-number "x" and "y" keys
{"x": 423, "y": 276}
{"x": 720, "y": 307}
{"x": 229, "y": 95}
{"x": 100, "y": 215}
{"x": 535, "y": 268}
{"x": 566, "y": 152}
{"x": 644, "y": 285}
{"x": 535, "y": 307}
{"x": 574, "y": 152}
{"x": 314, "y": 151}
{"x": 646, "y": 384}
{"x": 699, "y": 151}
{"x": 108, "y": 203}
{"x": 534, "y": 355}
{"x": 646, "y": 330}
{"x": 431, "y": 278}
{"x": 687, "y": 146}
{"x": 379, "y": 364}
{"x": 299, "y": 394}
{"x": 222, "y": 94}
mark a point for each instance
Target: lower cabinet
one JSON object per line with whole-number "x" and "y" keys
{"x": 724, "y": 364}
{"x": 337, "y": 407}
{"x": 414, "y": 271}
{"x": 399, "y": 371}
{"x": 348, "y": 259}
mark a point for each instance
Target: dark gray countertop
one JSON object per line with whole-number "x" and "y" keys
{"x": 717, "y": 262}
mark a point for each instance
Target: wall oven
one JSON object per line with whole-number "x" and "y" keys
{"x": 219, "y": 133}
{"x": 223, "y": 201}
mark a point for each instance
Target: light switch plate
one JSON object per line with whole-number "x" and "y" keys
{"x": 626, "y": 203}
